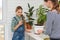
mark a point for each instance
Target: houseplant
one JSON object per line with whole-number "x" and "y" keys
{"x": 29, "y": 15}
{"x": 41, "y": 14}
{"x": 41, "y": 18}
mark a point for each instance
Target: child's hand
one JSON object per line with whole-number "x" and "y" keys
{"x": 20, "y": 22}
{"x": 18, "y": 25}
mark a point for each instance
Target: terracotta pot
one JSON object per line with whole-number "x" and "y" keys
{"x": 28, "y": 26}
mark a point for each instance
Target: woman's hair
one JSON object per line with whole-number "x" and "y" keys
{"x": 18, "y": 7}
{"x": 55, "y": 4}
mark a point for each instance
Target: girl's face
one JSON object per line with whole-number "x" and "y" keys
{"x": 49, "y": 4}
{"x": 19, "y": 12}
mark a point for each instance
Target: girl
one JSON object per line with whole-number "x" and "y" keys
{"x": 18, "y": 25}
{"x": 53, "y": 19}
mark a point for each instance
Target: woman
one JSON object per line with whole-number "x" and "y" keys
{"x": 18, "y": 25}
{"x": 53, "y": 19}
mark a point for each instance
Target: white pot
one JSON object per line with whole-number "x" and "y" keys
{"x": 38, "y": 28}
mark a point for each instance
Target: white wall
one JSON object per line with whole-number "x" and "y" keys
{"x": 9, "y": 12}
{"x": 0, "y": 3}
{"x": 4, "y": 18}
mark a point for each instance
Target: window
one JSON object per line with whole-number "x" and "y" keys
{"x": 0, "y": 9}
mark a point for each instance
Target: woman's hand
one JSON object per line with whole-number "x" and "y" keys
{"x": 40, "y": 31}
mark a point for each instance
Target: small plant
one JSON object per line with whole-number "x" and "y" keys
{"x": 41, "y": 14}
{"x": 29, "y": 14}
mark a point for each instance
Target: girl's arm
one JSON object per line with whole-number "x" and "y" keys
{"x": 20, "y": 23}
{"x": 15, "y": 25}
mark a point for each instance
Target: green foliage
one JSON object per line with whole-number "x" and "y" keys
{"x": 59, "y": 2}
{"x": 41, "y": 13}
{"x": 29, "y": 14}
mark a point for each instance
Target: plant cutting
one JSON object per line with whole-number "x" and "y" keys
{"x": 29, "y": 15}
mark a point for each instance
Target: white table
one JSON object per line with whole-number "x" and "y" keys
{"x": 32, "y": 36}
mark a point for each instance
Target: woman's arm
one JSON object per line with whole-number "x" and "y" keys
{"x": 49, "y": 23}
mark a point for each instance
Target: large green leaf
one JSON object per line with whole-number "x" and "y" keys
{"x": 31, "y": 9}
{"x": 32, "y": 19}
{"x": 25, "y": 12}
{"x": 28, "y": 5}
{"x": 31, "y": 13}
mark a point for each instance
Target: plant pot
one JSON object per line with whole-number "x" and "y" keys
{"x": 38, "y": 29}
{"x": 28, "y": 26}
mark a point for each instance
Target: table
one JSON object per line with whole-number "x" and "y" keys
{"x": 32, "y": 36}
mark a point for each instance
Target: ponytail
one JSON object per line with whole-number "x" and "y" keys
{"x": 55, "y": 4}
{"x": 57, "y": 7}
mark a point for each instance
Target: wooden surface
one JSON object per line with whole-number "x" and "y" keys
{"x": 1, "y": 32}
{"x": 1, "y": 38}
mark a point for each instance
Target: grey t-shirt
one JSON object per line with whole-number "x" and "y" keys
{"x": 53, "y": 24}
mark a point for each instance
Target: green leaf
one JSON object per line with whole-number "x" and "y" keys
{"x": 31, "y": 13}
{"x": 32, "y": 19}
{"x": 59, "y": 2}
{"x": 28, "y": 5}
{"x": 31, "y": 9}
{"x": 25, "y": 12}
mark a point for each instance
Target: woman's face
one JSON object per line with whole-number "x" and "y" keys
{"x": 19, "y": 12}
{"x": 48, "y": 4}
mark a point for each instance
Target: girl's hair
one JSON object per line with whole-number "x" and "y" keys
{"x": 18, "y": 7}
{"x": 55, "y": 4}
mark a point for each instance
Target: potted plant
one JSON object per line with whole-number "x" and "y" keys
{"x": 41, "y": 18}
{"x": 29, "y": 15}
